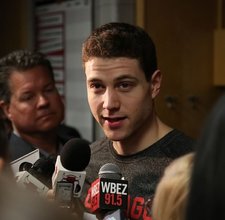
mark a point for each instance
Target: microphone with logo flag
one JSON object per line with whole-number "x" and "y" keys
{"x": 109, "y": 193}
{"x": 69, "y": 175}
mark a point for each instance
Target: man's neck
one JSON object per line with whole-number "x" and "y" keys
{"x": 142, "y": 140}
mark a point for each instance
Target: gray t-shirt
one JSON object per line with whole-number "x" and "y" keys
{"x": 143, "y": 170}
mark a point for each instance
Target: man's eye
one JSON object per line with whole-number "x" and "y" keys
{"x": 125, "y": 85}
{"x": 96, "y": 86}
{"x": 50, "y": 89}
{"x": 26, "y": 97}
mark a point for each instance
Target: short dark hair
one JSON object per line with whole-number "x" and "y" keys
{"x": 118, "y": 39}
{"x": 19, "y": 60}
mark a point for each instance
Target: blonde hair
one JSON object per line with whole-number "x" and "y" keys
{"x": 172, "y": 191}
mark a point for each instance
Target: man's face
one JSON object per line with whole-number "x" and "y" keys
{"x": 119, "y": 96}
{"x": 35, "y": 105}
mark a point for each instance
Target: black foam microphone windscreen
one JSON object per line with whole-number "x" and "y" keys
{"x": 75, "y": 154}
{"x": 69, "y": 175}
{"x": 25, "y": 166}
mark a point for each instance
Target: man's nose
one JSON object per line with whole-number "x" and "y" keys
{"x": 111, "y": 99}
{"x": 43, "y": 100}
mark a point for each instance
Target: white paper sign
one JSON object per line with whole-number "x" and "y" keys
{"x": 32, "y": 157}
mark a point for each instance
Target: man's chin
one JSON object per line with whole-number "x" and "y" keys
{"x": 114, "y": 136}
{"x": 48, "y": 127}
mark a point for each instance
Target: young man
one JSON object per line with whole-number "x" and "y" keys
{"x": 30, "y": 100}
{"x": 123, "y": 81}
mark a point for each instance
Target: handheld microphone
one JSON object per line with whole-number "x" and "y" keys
{"x": 37, "y": 176}
{"x": 110, "y": 191}
{"x": 69, "y": 175}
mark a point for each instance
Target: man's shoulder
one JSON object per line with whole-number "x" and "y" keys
{"x": 18, "y": 147}
{"x": 66, "y": 132}
{"x": 176, "y": 143}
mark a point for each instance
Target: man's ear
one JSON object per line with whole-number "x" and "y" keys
{"x": 156, "y": 83}
{"x": 5, "y": 108}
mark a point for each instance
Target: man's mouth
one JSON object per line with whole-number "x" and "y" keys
{"x": 45, "y": 115}
{"x": 113, "y": 119}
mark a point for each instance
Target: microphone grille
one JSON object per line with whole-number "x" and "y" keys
{"x": 110, "y": 171}
{"x": 25, "y": 166}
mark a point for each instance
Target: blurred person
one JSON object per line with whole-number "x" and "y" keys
{"x": 4, "y": 151}
{"x": 30, "y": 100}
{"x": 123, "y": 81}
{"x": 6, "y": 122}
{"x": 18, "y": 203}
{"x": 207, "y": 191}
{"x": 172, "y": 191}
